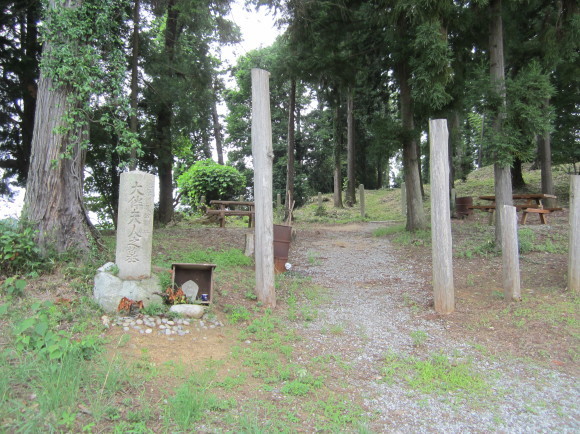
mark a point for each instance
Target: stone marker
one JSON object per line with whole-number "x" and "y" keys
{"x": 190, "y": 289}
{"x": 135, "y": 225}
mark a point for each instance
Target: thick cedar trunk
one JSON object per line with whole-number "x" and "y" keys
{"x": 134, "y": 81}
{"x": 415, "y": 213}
{"x": 350, "y": 157}
{"x": 502, "y": 173}
{"x": 291, "y": 146}
{"x": 54, "y": 191}
{"x": 217, "y": 129}
{"x": 163, "y": 126}
{"x": 337, "y": 157}
{"x": 517, "y": 175}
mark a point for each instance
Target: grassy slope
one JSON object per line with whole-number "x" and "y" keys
{"x": 385, "y": 204}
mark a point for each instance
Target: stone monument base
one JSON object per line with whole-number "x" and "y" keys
{"x": 110, "y": 289}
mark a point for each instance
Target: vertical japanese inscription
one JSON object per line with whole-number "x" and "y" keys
{"x": 135, "y": 225}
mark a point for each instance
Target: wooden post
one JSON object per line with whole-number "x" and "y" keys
{"x": 319, "y": 199}
{"x": 443, "y": 288}
{"x": 361, "y": 193}
{"x": 403, "y": 199}
{"x": 509, "y": 253}
{"x": 249, "y": 248}
{"x": 453, "y": 199}
{"x": 263, "y": 156}
{"x": 574, "y": 246}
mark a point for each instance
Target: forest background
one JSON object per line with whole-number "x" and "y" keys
{"x": 90, "y": 88}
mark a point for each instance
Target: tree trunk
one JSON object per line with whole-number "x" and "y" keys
{"x": 291, "y": 146}
{"x": 134, "y": 81}
{"x": 54, "y": 190}
{"x": 29, "y": 86}
{"x": 165, "y": 164}
{"x": 545, "y": 154}
{"x": 379, "y": 172}
{"x": 337, "y": 157}
{"x": 502, "y": 173}
{"x": 164, "y": 122}
{"x": 517, "y": 175}
{"x": 415, "y": 213}
{"x": 351, "y": 189}
{"x": 217, "y": 130}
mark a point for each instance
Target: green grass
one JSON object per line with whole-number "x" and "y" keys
{"x": 436, "y": 374}
{"x": 400, "y": 236}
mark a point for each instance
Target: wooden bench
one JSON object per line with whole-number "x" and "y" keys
{"x": 533, "y": 204}
{"x": 541, "y": 212}
{"x": 223, "y": 211}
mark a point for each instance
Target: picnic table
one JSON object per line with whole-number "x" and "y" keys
{"x": 231, "y": 207}
{"x": 529, "y": 203}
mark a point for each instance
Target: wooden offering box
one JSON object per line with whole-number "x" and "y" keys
{"x": 201, "y": 274}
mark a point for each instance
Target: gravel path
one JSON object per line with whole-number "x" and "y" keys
{"x": 377, "y": 304}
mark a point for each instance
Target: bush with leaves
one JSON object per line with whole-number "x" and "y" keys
{"x": 212, "y": 180}
{"x": 18, "y": 250}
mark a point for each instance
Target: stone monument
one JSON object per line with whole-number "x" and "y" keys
{"x": 135, "y": 225}
{"x": 131, "y": 275}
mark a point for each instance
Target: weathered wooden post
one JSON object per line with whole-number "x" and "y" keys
{"x": 319, "y": 200}
{"x": 361, "y": 193}
{"x": 509, "y": 253}
{"x": 443, "y": 288}
{"x": 403, "y": 199}
{"x": 263, "y": 155}
{"x": 574, "y": 246}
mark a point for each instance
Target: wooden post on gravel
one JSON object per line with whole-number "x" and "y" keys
{"x": 263, "y": 156}
{"x": 509, "y": 253}
{"x": 574, "y": 246}
{"x": 443, "y": 289}
{"x": 361, "y": 193}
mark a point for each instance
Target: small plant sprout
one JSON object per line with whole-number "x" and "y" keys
{"x": 419, "y": 337}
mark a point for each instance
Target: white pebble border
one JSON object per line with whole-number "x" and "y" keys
{"x": 157, "y": 325}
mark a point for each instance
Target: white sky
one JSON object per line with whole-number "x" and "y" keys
{"x": 258, "y": 30}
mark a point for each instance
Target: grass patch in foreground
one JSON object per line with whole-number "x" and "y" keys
{"x": 435, "y": 375}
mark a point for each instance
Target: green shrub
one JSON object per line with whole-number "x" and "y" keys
{"x": 13, "y": 286}
{"x": 212, "y": 180}
{"x": 18, "y": 249}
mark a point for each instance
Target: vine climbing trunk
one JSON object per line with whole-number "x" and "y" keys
{"x": 54, "y": 189}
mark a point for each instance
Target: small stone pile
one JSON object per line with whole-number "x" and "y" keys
{"x": 147, "y": 324}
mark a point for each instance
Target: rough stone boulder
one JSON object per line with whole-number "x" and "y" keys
{"x": 110, "y": 289}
